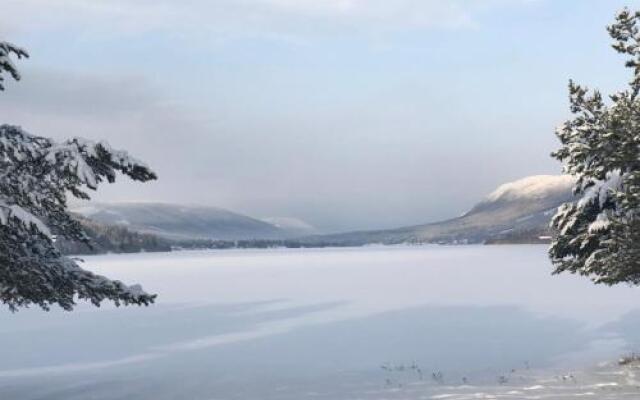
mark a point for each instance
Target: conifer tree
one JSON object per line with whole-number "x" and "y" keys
{"x": 36, "y": 176}
{"x": 598, "y": 235}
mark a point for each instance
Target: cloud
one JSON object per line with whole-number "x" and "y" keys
{"x": 241, "y": 17}
{"x": 379, "y": 14}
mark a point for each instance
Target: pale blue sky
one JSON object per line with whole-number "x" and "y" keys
{"x": 345, "y": 113}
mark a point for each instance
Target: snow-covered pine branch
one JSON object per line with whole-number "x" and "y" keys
{"x": 599, "y": 234}
{"x": 37, "y": 173}
{"x": 6, "y": 65}
{"x": 36, "y": 176}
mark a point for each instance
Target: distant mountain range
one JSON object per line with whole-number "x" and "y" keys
{"x": 188, "y": 222}
{"x": 516, "y": 212}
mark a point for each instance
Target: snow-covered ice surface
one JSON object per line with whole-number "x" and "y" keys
{"x": 464, "y": 322}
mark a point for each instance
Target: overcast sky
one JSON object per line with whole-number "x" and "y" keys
{"x": 348, "y": 114}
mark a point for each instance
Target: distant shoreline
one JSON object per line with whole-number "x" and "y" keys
{"x": 230, "y": 248}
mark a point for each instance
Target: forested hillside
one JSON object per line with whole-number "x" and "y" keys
{"x": 111, "y": 239}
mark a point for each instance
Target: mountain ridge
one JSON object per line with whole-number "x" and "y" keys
{"x": 524, "y": 205}
{"x": 182, "y": 221}
{"x": 515, "y": 212}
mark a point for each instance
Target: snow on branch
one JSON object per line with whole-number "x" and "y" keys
{"x": 36, "y": 175}
{"x": 6, "y": 65}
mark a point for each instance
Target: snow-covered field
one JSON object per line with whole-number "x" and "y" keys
{"x": 467, "y": 322}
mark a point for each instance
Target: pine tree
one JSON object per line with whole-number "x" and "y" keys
{"x": 36, "y": 175}
{"x": 598, "y": 235}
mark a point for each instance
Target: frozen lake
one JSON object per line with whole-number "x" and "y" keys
{"x": 367, "y": 323}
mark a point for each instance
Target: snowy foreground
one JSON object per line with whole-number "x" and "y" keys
{"x": 467, "y": 322}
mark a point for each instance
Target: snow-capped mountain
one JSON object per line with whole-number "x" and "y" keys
{"x": 175, "y": 221}
{"x": 528, "y": 194}
{"x": 514, "y": 212}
